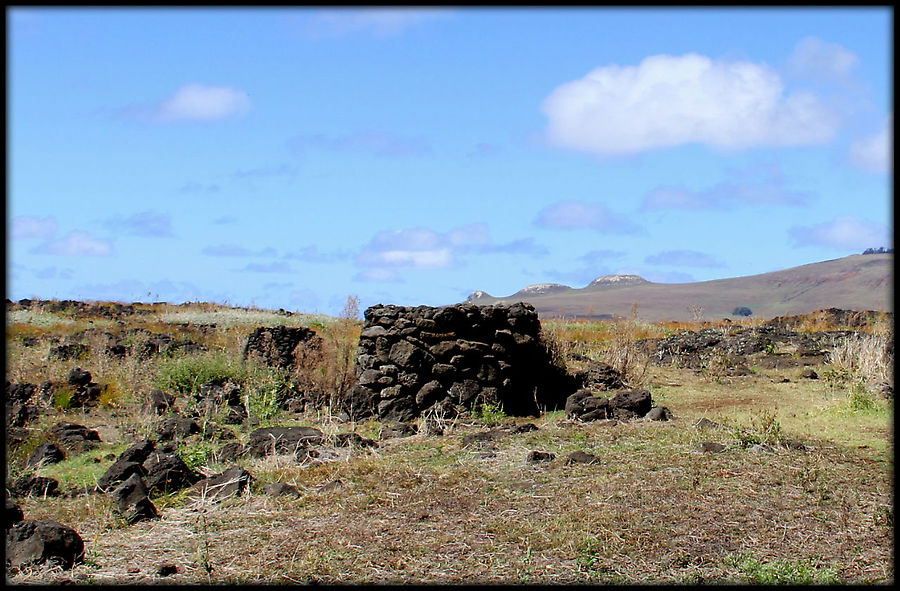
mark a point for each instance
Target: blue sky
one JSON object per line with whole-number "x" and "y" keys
{"x": 289, "y": 158}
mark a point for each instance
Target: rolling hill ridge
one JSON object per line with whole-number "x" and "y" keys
{"x": 855, "y": 282}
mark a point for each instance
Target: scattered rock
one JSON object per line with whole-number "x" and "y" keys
{"x": 129, "y": 462}
{"x": 176, "y": 428}
{"x": 809, "y": 374}
{"x": 158, "y": 402}
{"x": 13, "y": 514}
{"x": 329, "y": 487}
{"x": 538, "y": 457}
{"x": 67, "y": 352}
{"x": 280, "y": 489}
{"x": 167, "y": 472}
{"x": 226, "y": 454}
{"x": 231, "y": 482}
{"x": 396, "y": 430}
{"x": 74, "y": 437}
{"x": 78, "y": 377}
{"x": 580, "y": 457}
{"x": 659, "y": 413}
{"x": 353, "y": 440}
{"x": 34, "y": 486}
{"x": 43, "y": 542}
{"x": 132, "y": 500}
{"x": 705, "y": 423}
{"x": 166, "y": 570}
{"x": 282, "y": 440}
{"x": 45, "y": 453}
{"x": 711, "y": 447}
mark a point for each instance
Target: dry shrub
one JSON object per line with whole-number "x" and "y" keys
{"x": 623, "y": 354}
{"x": 329, "y": 371}
{"x": 864, "y": 357}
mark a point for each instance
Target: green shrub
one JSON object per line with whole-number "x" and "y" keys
{"x": 784, "y": 572}
{"x": 764, "y": 428}
{"x": 185, "y": 374}
{"x": 490, "y": 413}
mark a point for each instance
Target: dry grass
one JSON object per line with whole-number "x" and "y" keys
{"x": 426, "y": 509}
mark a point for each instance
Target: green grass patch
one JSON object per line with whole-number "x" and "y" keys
{"x": 82, "y": 470}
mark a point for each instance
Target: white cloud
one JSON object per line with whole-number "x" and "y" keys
{"x": 198, "y": 102}
{"x": 673, "y": 100}
{"x": 845, "y": 232}
{"x": 873, "y": 153}
{"x": 571, "y": 215}
{"x": 724, "y": 195}
{"x": 424, "y": 249}
{"x": 77, "y": 244}
{"x": 24, "y": 227}
{"x": 815, "y": 58}
{"x": 234, "y": 250}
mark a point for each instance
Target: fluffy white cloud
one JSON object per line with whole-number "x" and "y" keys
{"x": 815, "y": 58}
{"x": 873, "y": 153}
{"x": 25, "y": 226}
{"x": 77, "y": 244}
{"x": 198, "y": 102}
{"x": 570, "y": 215}
{"x": 673, "y": 100}
{"x": 844, "y": 232}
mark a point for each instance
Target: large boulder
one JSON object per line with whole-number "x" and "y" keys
{"x": 45, "y": 453}
{"x": 229, "y": 483}
{"x": 625, "y": 404}
{"x": 43, "y": 542}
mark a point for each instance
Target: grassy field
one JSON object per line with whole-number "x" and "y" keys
{"x": 801, "y": 493}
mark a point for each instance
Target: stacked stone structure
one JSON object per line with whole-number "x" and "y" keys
{"x": 412, "y": 359}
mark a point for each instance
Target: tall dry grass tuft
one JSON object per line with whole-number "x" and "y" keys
{"x": 330, "y": 372}
{"x": 867, "y": 358}
{"x": 623, "y": 353}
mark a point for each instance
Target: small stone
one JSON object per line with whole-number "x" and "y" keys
{"x": 538, "y": 457}
{"x": 711, "y": 447}
{"x": 166, "y": 570}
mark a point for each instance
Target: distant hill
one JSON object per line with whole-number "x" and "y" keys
{"x": 856, "y": 282}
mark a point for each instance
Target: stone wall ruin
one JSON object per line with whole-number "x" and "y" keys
{"x": 413, "y": 359}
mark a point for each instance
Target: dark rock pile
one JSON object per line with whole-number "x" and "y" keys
{"x": 282, "y": 346}
{"x": 412, "y": 359}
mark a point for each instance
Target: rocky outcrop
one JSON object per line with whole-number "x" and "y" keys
{"x": 625, "y": 404}
{"x": 412, "y": 360}
{"x": 282, "y": 440}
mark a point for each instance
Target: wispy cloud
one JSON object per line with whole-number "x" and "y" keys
{"x": 683, "y": 258}
{"x": 191, "y": 103}
{"x": 24, "y": 227}
{"x": 668, "y": 101}
{"x": 77, "y": 244}
{"x": 195, "y": 187}
{"x": 844, "y": 232}
{"x": 873, "y": 153}
{"x": 573, "y": 215}
{"x": 423, "y": 249}
{"x": 200, "y": 102}
{"x": 148, "y": 224}
{"x": 265, "y": 171}
{"x": 311, "y": 254}
{"x": 273, "y": 267}
{"x": 724, "y": 195}
{"x": 234, "y": 250}
{"x": 814, "y": 58}
{"x": 378, "y": 22}
{"x": 379, "y": 143}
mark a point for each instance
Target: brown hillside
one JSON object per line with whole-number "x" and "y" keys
{"x": 856, "y": 282}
